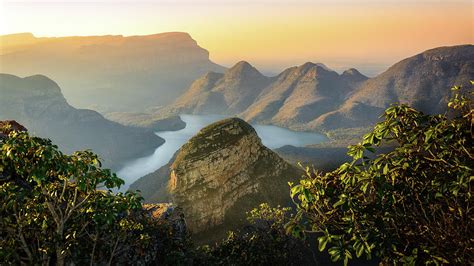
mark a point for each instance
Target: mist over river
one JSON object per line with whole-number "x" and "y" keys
{"x": 272, "y": 136}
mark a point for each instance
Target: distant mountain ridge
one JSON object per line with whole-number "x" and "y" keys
{"x": 422, "y": 81}
{"x": 37, "y": 103}
{"x": 112, "y": 72}
{"x": 313, "y": 97}
{"x": 296, "y": 96}
{"x": 228, "y": 93}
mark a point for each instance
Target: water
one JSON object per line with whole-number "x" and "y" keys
{"x": 272, "y": 136}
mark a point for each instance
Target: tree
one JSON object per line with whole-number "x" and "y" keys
{"x": 262, "y": 242}
{"x": 59, "y": 209}
{"x": 412, "y": 205}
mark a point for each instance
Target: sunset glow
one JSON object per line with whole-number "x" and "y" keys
{"x": 270, "y": 34}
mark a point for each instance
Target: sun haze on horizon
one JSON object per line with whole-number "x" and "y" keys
{"x": 272, "y": 35}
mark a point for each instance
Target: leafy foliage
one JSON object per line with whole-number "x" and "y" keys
{"x": 52, "y": 212}
{"x": 263, "y": 242}
{"x": 409, "y": 206}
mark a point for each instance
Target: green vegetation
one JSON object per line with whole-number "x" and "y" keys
{"x": 60, "y": 209}
{"x": 51, "y": 211}
{"x": 263, "y": 242}
{"x": 412, "y": 205}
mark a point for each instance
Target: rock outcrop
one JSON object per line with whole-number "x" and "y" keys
{"x": 224, "y": 171}
{"x": 174, "y": 216}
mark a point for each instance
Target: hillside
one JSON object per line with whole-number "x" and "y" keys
{"x": 219, "y": 174}
{"x": 291, "y": 99}
{"x": 110, "y": 73}
{"x": 228, "y": 93}
{"x": 146, "y": 120}
{"x": 422, "y": 81}
{"x": 37, "y": 103}
{"x": 313, "y": 97}
{"x": 300, "y": 94}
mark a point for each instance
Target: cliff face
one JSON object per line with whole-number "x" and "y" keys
{"x": 115, "y": 73}
{"x": 224, "y": 171}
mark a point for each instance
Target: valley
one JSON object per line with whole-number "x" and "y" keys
{"x": 272, "y": 137}
{"x": 206, "y": 144}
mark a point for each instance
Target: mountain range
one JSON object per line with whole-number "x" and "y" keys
{"x": 37, "y": 103}
{"x": 113, "y": 72}
{"x": 313, "y": 97}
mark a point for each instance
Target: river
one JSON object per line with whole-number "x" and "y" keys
{"x": 272, "y": 136}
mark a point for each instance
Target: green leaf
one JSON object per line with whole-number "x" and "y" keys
{"x": 322, "y": 241}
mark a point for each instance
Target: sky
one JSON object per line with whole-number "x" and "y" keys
{"x": 271, "y": 34}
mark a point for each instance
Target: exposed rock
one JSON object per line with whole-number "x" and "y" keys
{"x": 174, "y": 216}
{"x": 224, "y": 171}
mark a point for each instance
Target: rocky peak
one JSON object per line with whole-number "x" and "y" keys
{"x": 224, "y": 171}
{"x": 310, "y": 65}
{"x": 353, "y": 75}
{"x": 310, "y": 70}
{"x": 243, "y": 70}
{"x": 215, "y": 137}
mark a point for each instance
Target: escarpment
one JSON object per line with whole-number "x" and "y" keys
{"x": 225, "y": 171}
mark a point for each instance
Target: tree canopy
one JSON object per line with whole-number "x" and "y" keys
{"x": 412, "y": 205}
{"x": 59, "y": 209}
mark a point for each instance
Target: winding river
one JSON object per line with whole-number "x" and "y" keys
{"x": 272, "y": 136}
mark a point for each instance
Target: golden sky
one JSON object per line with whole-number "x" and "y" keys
{"x": 271, "y": 34}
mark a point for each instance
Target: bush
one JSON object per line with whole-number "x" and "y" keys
{"x": 410, "y": 206}
{"x": 263, "y": 242}
{"x": 60, "y": 209}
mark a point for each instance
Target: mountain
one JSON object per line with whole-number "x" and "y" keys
{"x": 228, "y": 93}
{"x": 422, "y": 81}
{"x": 293, "y": 98}
{"x": 301, "y": 94}
{"x": 146, "y": 120}
{"x": 313, "y": 97}
{"x": 222, "y": 172}
{"x": 37, "y": 103}
{"x": 110, "y": 73}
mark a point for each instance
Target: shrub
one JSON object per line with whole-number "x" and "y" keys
{"x": 60, "y": 209}
{"x": 410, "y": 206}
{"x": 263, "y": 242}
